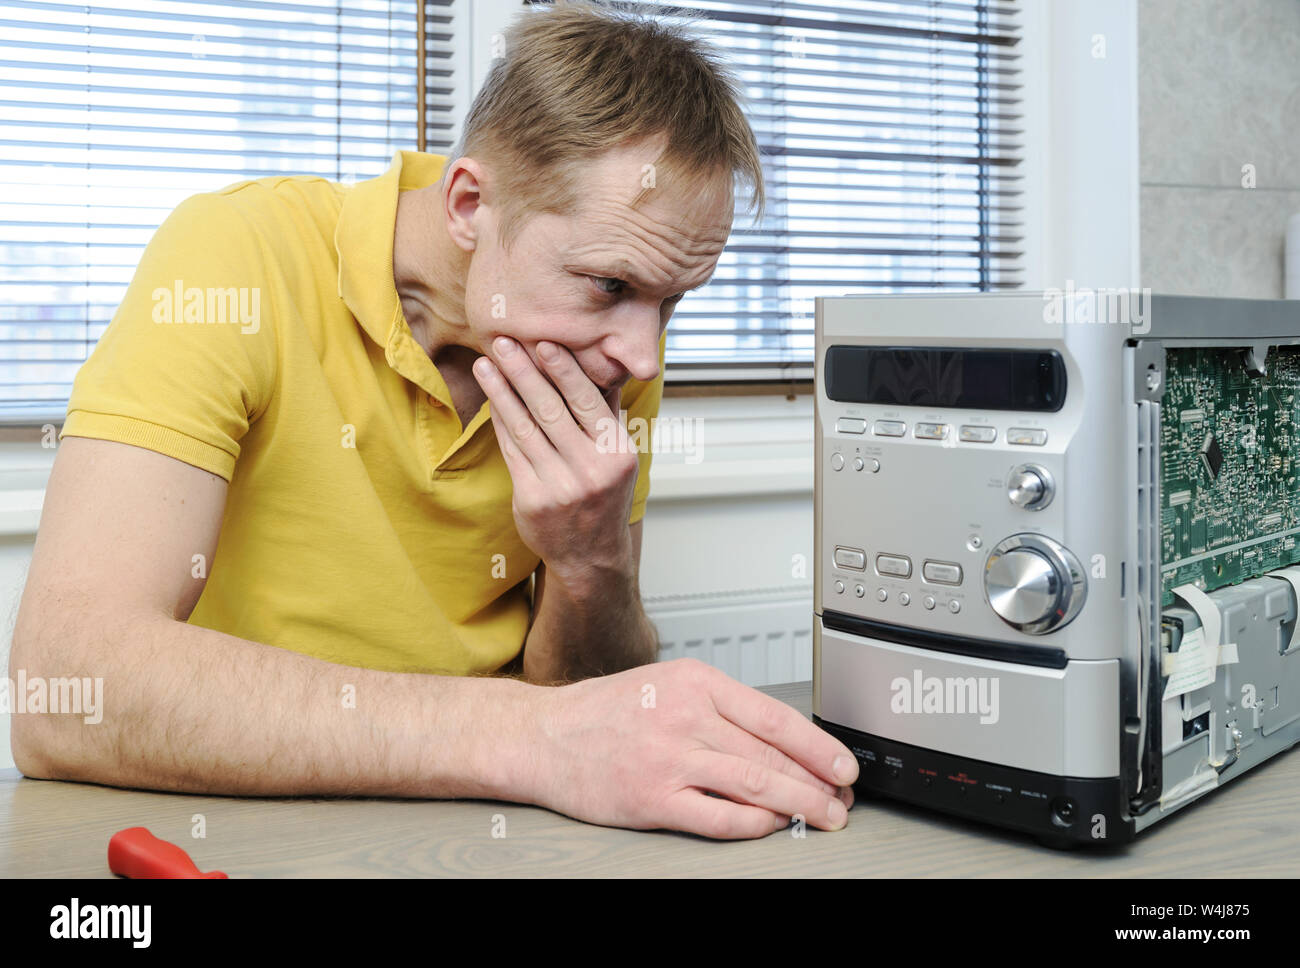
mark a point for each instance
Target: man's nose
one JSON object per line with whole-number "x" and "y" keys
{"x": 637, "y": 348}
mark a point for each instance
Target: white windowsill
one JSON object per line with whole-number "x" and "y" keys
{"x": 20, "y": 511}
{"x": 733, "y": 478}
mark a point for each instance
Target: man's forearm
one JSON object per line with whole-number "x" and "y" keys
{"x": 191, "y": 709}
{"x": 594, "y": 630}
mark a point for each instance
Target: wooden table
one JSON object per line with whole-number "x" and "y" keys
{"x": 52, "y": 829}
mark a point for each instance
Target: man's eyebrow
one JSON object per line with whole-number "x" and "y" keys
{"x": 622, "y": 269}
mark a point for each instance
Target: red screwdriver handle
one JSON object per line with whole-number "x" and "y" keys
{"x": 135, "y": 852}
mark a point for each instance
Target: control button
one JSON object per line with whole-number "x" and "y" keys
{"x": 1023, "y": 586}
{"x": 859, "y": 590}
{"x": 904, "y": 598}
{"x": 850, "y": 425}
{"x": 928, "y": 602}
{"x": 858, "y": 464}
{"x": 975, "y": 434}
{"x": 931, "y": 431}
{"x": 875, "y": 466}
{"x": 896, "y": 566}
{"x": 1030, "y": 487}
{"x": 942, "y": 572}
{"x": 954, "y": 606}
{"x": 1035, "y": 584}
{"x": 839, "y": 587}
{"x": 889, "y": 428}
{"x": 854, "y": 558}
{"x": 837, "y": 462}
{"x": 1027, "y": 436}
{"x": 882, "y": 595}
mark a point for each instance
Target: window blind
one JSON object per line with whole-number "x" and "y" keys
{"x": 112, "y": 113}
{"x": 890, "y": 141}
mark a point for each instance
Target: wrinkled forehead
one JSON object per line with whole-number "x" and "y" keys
{"x": 674, "y": 220}
{"x": 644, "y": 173}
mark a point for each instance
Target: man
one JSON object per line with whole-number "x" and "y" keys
{"x": 281, "y": 529}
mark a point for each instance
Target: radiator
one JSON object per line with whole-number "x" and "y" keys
{"x": 760, "y": 636}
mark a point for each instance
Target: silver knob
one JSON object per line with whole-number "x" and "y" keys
{"x": 1034, "y": 584}
{"x": 1023, "y": 587}
{"x": 1030, "y": 487}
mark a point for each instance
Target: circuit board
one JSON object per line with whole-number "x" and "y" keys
{"x": 1230, "y": 509}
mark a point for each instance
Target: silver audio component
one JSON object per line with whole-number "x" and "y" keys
{"x": 999, "y": 643}
{"x": 1034, "y": 584}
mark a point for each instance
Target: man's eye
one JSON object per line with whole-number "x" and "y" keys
{"x": 611, "y": 287}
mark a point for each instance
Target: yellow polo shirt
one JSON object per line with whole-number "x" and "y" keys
{"x": 262, "y": 339}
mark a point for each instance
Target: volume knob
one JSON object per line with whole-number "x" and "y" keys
{"x": 1023, "y": 586}
{"x": 1034, "y": 584}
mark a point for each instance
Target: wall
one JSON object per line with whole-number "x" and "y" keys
{"x": 727, "y": 557}
{"x": 1219, "y": 88}
{"x": 1080, "y": 119}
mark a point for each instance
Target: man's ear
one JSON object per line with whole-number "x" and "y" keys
{"x": 465, "y": 186}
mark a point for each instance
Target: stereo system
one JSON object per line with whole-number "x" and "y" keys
{"x": 1055, "y": 582}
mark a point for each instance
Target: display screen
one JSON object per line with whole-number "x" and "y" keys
{"x": 969, "y": 379}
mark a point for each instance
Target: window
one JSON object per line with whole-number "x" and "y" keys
{"x": 888, "y": 127}
{"x": 889, "y": 136}
{"x": 112, "y": 113}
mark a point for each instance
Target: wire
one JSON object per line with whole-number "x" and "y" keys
{"x": 1236, "y": 752}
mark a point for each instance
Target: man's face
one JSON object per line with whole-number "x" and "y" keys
{"x": 604, "y": 280}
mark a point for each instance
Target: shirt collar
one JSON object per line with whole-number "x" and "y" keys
{"x": 363, "y": 239}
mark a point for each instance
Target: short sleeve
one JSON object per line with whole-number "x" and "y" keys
{"x": 641, "y": 401}
{"x": 189, "y": 358}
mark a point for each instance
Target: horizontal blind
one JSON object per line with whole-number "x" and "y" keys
{"x": 890, "y": 135}
{"x": 112, "y": 113}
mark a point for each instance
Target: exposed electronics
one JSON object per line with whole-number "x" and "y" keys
{"x": 1056, "y": 550}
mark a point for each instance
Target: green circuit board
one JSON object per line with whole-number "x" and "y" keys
{"x": 1230, "y": 507}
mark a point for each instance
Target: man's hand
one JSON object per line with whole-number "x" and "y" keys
{"x": 570, "y": 459}
{"x": 640, "y": 749}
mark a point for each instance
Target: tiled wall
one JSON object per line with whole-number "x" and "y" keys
{"x": 1218, "y": 88}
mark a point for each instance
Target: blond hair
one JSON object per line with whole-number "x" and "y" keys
{"x": 578, "y": 79}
